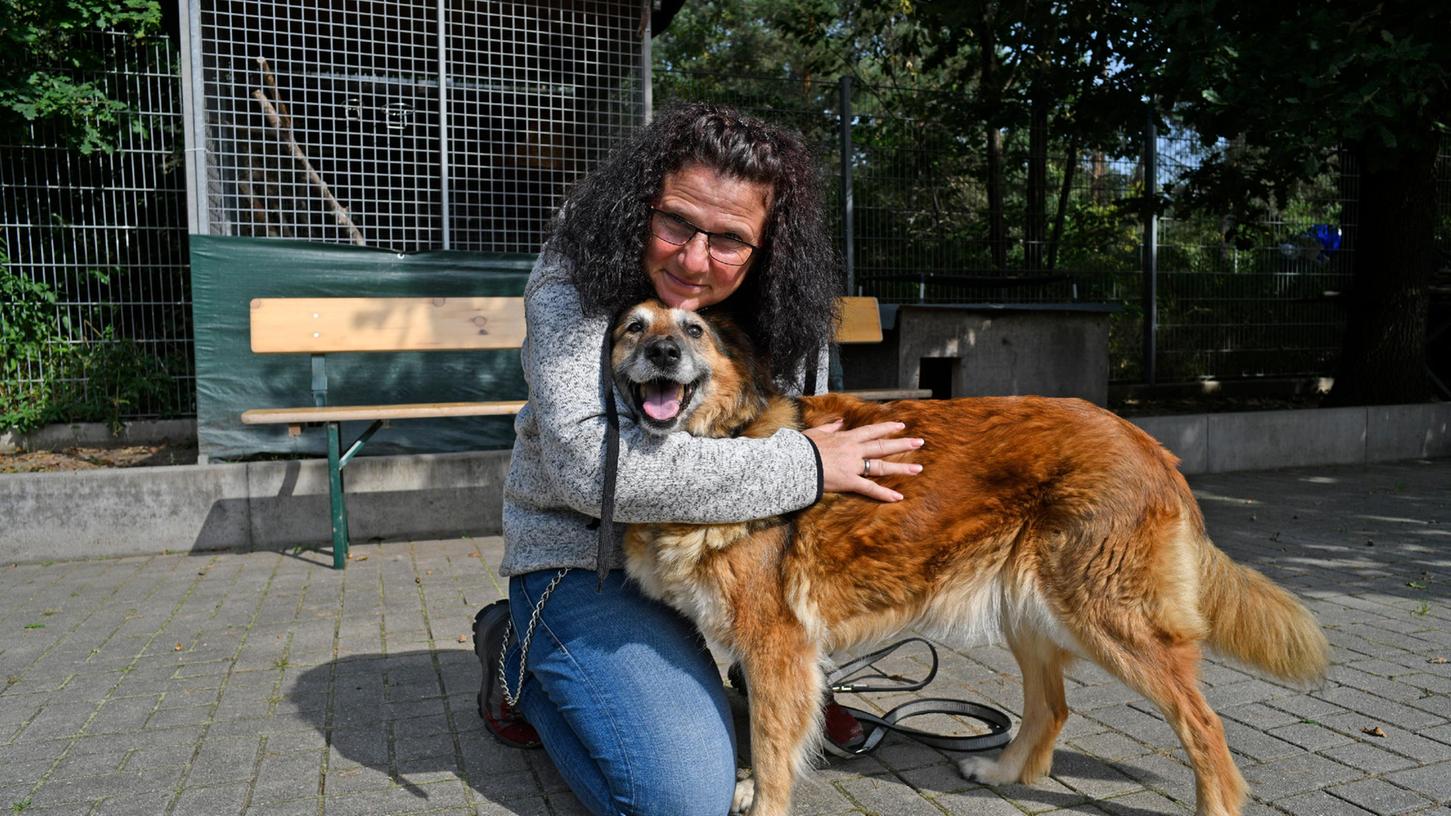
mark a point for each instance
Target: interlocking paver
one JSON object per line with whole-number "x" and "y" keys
{"x": 298, "y": 689}
{"x": 1320, "y": 803}
{"x": 1381, "y": 797}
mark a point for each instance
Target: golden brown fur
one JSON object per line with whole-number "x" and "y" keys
{"x": 1050, "y": 523}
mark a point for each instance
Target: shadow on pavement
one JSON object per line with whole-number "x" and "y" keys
{"x": 410, "y": 719}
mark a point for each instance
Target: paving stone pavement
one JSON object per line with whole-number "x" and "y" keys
{"x": 268, "y": 683}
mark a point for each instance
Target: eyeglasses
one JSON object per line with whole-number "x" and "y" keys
{"x": 673, "y": 229}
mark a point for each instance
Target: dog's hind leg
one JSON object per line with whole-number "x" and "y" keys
{"x": 1165, "y": 669}
{"x": 786, "y": 688}
{"x": 1030, "y": 754}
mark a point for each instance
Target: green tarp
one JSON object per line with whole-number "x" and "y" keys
{"x": 228, "y": 272}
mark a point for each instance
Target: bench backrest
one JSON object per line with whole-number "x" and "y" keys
{"x": 324, "y": 325}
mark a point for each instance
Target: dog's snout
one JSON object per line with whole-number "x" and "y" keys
{"x": 663, "y": 352}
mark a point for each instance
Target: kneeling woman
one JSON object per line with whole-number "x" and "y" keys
{"x": 705, "y": 208}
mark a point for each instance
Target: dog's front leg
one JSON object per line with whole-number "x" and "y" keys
{"x": 785, "y": 683}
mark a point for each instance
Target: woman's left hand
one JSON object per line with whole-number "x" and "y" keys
{"x": 852, "y": 458}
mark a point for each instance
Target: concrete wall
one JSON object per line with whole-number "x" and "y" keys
{"x": 990, "y": 351}
{"x": 246, "y": 506}
{"x": 1263, "y": 440}
{"x": 277, "y": 505}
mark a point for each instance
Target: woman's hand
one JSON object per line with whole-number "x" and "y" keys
{"x": 851, "y": 459}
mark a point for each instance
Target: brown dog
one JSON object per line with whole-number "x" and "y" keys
{"x": 1049, "y": 523}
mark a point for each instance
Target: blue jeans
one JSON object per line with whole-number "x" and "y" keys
{"x": 625, "y": 696}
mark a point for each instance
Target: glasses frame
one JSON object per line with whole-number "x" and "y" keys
{"x": 708, "y": 235}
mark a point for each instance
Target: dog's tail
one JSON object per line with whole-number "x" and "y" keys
{"x": 1257, "y": 622}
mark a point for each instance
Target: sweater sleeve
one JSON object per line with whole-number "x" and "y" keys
{"x": 676, "y": 478}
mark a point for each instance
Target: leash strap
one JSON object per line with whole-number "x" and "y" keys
{"x": 612, "y": 460}
{"x": 878, "y": 726}
{"x": 848, "y": 679}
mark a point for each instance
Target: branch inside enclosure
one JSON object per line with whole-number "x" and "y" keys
{"x": 339, "y": 211}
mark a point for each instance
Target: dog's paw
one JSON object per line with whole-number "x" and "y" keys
{"x": 745, "y": 793}
{"x": 984, "y": 770}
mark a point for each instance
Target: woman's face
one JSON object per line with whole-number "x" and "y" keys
{"x": 686, "y": 276}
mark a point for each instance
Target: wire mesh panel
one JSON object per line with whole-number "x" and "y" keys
{"x": 405, "y": 124}
{"x": 104, "y": 235}
{"x": 1234, "y": 300}
{"x": 1244, "y": 300}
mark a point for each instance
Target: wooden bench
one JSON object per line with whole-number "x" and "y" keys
{"x": 321, "y": 326}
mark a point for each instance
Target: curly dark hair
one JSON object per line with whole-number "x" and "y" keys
{"x": 787, "y": 302}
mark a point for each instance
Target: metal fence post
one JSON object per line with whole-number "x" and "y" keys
{"x": 848, "y": 244}
{"x": 443, "y": 171}
{"x": 647, "y": 91}
{"x": 194, "y": 117}
{"x": 1151, "y": 249}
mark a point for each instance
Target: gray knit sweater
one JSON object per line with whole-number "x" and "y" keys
{"x": 552, "y": 494}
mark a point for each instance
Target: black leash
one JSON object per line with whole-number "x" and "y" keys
{"x": 612, "y": 459}
{"x": 848, "y": 679}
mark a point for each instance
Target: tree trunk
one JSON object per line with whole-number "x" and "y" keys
{"x": 1100, "y": 171}
{"x": 996, "y": 231}
{"x": 992, "y": 94}
{"x": 1383, "y": 356}
{"x": 1035, "y": 217}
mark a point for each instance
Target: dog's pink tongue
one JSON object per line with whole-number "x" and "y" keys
{"x": 662, "y": 400}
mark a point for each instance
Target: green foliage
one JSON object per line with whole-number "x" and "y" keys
{"x": 1298, "y": 83}
{"x": 49, "y": 56}
{"x": 54, "y": 371}
{"x": 28, "y": 331}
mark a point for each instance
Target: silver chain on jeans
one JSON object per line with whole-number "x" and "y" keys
{"x": 513, "y": 699}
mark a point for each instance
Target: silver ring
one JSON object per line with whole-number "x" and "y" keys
{"x": 866, "y": 467}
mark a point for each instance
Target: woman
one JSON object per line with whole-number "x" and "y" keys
{"x": 705, "y": 208}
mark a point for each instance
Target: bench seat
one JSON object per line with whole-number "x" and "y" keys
{"x": 347, "y": 413}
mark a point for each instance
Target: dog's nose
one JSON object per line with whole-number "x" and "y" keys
{"x": 663, "y": 352}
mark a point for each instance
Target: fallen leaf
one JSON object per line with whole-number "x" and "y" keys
{"x": 1374, "y": 731}
{"x": 177, "y": 647}
{"x": 463, "y": 638}
{"x": 362, "y": 558}
{"x": 1438, "y": 660}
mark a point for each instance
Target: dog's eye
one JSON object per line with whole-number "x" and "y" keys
{"x": 635, "y": 327}
{"x": 694, "y": 331}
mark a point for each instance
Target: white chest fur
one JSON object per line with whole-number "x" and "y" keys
{"x": 674, "y": 565}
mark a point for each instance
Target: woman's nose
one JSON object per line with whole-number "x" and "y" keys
{"x": 695, "y": 253}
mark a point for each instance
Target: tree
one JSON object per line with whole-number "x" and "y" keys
{"x": 1300, "y": 87}
{"x": 49, "y": 58}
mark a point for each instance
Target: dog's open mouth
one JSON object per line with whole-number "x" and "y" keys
{"x": 662, "y": 401}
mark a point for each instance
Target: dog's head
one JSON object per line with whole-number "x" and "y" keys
{"x": 682, "y": 370}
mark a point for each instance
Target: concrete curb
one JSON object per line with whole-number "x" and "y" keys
{"x": 282, "y": 504}
{"x": 83, "y": 434}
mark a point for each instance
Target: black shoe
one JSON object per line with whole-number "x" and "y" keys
{"x": 507, "y": 725}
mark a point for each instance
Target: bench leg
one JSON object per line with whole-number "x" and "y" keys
{"x": 335, "y": 491}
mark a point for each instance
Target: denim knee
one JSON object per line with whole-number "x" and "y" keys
{"x": 684, "y": 780}
{"x": 627, "y": 701}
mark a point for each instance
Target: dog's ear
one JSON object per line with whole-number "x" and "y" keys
{"x": 736, "y": 346}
